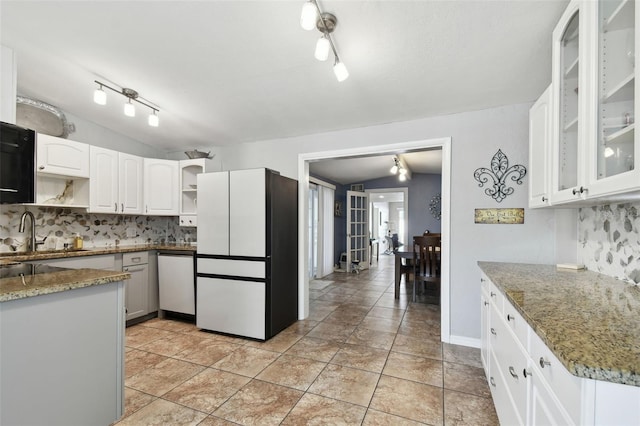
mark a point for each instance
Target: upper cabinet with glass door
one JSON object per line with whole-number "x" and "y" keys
{"x": 568, "y": 81}
{"x": 614, "y": 153}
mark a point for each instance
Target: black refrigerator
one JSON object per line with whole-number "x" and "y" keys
{"x": 247, "y": 256}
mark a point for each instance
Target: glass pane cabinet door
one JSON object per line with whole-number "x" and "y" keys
{"x": 568, "y": 105}
{"x": 616, "y": 83}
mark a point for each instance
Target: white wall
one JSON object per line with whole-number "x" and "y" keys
{"x": 94, "y": 134}
{"x": 476, "y": 136}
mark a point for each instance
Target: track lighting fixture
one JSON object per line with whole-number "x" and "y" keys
{"x": 312, "y": 17}
{"x": 100, "y": 97}
{"x": 399, "y": 169}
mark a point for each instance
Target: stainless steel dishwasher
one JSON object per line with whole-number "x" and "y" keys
{"x": 176, "y": 281}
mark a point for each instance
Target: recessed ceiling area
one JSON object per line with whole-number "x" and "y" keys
{"x": 360, "y": 169}
{"x": 226, "y": 72}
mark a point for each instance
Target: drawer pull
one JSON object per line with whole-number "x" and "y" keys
{"x": 526, "y": 373}
{"x": 509, "y": 317}
{"x": 543, "y": 362}
{"x": 513, "y": 373}
{"x": 136, "y": 259}
{"x": 486, "y": 303}
{"x": 493, "y": 331}
{"x": 492, "y": 381}
{"x": 493, "y": 294}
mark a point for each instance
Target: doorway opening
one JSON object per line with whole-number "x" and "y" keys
{"x": 303, "y": 245}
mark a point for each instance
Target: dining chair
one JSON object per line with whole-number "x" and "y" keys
{"x": 426, "y": 261}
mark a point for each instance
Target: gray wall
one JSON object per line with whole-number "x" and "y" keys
{"x": 476, "y": 136}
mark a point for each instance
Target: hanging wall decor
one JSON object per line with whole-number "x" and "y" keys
{"x": 498, "y": 174}
{"x": 434, "y": 206}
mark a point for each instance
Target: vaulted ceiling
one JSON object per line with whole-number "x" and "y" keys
{"x": 225, "y": 72}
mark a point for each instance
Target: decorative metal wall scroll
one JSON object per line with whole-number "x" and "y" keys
{"x": 499, "y": 172}
{"x": 500, "y": 216}
{"x": 434, "y": 206}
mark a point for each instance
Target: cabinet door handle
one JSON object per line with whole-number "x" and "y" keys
{"x": 115, "y": 207}
{"x": 544, "y": 199}
{"x": 122, "y": 206}
{"x": 492, "y": 381}
{"x": 574, "y": 191}
{"x": 493, "y": 331}
{"x": 41, "y": 168}
{"x": 146, "y": 209}
{"x": 493, "y": 294}
{"x": 486, "y": 303}
{"x": 543, "y": 362}
{"x": 526, "y": 373}
{"x": 509, "y": 317}
{"x": 136, "y": 259}
{"x": 481, "y": 280}
{"x": 513, "y": 373}
{"x": 125, "y": 269}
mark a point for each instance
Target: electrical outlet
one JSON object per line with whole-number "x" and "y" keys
{"x": 131, "y": 232}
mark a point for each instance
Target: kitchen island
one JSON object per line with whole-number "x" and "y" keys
{"x": 62, "y": 345}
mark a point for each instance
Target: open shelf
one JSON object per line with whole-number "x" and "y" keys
{"x": 621, "y": 92}
{"x": 572, "y": 69}
{"x": 624, "y": 135}
{"x": 622, "y": 17}
{"x": 571, "y": 125}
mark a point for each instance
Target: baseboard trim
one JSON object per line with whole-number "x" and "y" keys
{"x": 464, "y": 341}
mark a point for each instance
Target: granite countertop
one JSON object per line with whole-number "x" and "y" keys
{"x": 55, "y": 280}
{"x": 62, "y": 279}
{"x": 590, "y": 321}
{"x": 58, "y": 254}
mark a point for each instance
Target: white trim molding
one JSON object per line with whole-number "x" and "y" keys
{"x": 393, "y": 148}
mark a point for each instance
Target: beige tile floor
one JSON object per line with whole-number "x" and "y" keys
{"x": 361, "y": 358}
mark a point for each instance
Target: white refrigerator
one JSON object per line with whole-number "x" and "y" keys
{"x": 246, "y": 262}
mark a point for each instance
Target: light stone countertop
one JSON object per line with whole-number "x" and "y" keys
{"x": 64, "y": 279}
{"x": 60, "y": 254}
{"x": 590, "y": 321}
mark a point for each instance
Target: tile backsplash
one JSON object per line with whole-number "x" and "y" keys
{"x": 609, "y": 240}
{"x": 60, "y": 224}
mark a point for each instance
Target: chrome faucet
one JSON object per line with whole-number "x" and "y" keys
{"x": 33, "y": 243}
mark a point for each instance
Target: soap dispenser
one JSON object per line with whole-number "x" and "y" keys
{"x": 77, "y": 242}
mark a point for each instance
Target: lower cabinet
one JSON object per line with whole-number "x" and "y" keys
{"x": 137, "y": 287}
{"x": 529, "y": 384}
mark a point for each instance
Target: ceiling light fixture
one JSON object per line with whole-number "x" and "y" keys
{"x": 399, "y": 169}
{"x": 325, "y": 23}
{"x": 100, "y": 97}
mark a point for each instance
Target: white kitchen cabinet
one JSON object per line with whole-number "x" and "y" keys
{"x": 569, "y": 86}
{"x": 595, "y": 153}
{"x": 116, "y": 182}
{"x": 161, "y": 187}
{"x": 62, "y": 177}
{"x": 189, "y": 170}
{"x": 614, "y": 150}
{"x": 8, "y": 85}
{"x": 137, "y": 287}
{"x": 62, "y": 156}
{"x": 540, "y": 139}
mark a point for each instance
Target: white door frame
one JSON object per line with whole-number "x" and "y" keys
{"x": 405, "y": 204}
{"x": 303, "y": 195}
